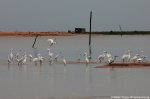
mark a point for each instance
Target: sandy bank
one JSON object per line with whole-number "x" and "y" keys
{"x": 35, "y": 33}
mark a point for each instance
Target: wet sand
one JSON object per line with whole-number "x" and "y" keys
{"x": 35, "y": 33}
{"x": 126, "y": 65}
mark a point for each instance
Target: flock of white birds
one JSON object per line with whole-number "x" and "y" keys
{"x": 126, "y": 58}
{"x": 21, "y": 57}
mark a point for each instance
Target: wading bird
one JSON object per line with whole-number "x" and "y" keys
{"x": 111, "y": 60}
{"x": 102, "y": 56}
{"x": 11, "y": 56}
{"x": 50, "y": 54}
{"x": 52, "y": 41}
{"x": 134, "y": 58}
{"x": 126, "y": 57}
{"x": 30, "y": 57}
{"x": 39, "y": 59}
{"x": 64, "y": 61}
{"x": 86, "y": 58}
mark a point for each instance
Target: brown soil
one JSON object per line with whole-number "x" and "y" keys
{"x": 35, "y": 33}
{"x": 126, "y": 65}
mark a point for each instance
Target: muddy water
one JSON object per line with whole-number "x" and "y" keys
{"x": 73, "y": 80}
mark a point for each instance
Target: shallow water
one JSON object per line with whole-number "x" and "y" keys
{"x": 73, "y": 80}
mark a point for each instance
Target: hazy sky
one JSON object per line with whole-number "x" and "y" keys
{"x": 61, "y": 15}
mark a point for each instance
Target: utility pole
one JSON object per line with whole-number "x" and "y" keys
{"x": 33, "y": 46}
{"x": 90, "y": 35}
{"x": 120, "y": 29}
{"x": 34, "y": 41}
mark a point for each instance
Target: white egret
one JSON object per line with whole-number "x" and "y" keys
{"x": 134, "y": 58}
{"x": 39, "y": 59}
{"x": 108, "y": 55}
{"x": 105, "y": 56}
{"x": 18, "y": 54}
{"x": 111, "y": 60}
{"x": 22, "y": 60}
{"x": 50, "y": 54}
{"x": 86, "y": 58}
{"x": 11, "y": 56}
{"x": 101, "y": 58}
{"x": 64, "y": 61}
{"x": 36, "y": 59}
{"x": 25, "y": 58}
{"x": 126, "y": 57}
{"x": 30, "y": 57}
{"x": 141, "y": 59}
{"x": 52, "y": 41}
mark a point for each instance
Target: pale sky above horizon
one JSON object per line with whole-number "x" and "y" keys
{"x": 64, "y": 15}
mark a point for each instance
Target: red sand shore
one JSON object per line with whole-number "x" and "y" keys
{"x": 35, "y": 33}
{"x": 126, "y": 65}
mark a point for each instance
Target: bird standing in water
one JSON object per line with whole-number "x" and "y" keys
{"x": 10, "y": 56}
{"x": 64, "y": 61}
{"x": 86, "y": 58}
{"x": 111, "y": 60}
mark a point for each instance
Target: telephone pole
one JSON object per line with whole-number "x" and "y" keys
{"x": 90, "y": 35}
